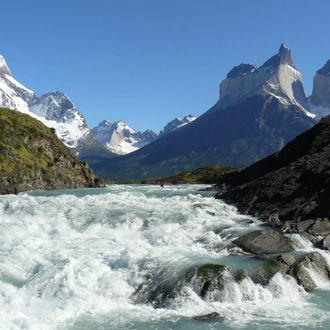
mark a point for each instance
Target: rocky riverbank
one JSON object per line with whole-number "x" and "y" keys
{"x": 289, "y": 191}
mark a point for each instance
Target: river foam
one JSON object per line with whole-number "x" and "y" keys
{"x": 75, "y": 259}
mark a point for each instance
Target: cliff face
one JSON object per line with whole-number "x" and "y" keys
{"x": 32, "y": 157}
{"x": 321, "y": 87}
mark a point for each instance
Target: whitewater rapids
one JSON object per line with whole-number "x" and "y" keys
{"x": 74, "y": 259}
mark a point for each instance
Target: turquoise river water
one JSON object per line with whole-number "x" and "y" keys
{"x": 75, "y": 259}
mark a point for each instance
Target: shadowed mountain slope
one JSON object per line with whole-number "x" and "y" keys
{"x": 292, "y": 184}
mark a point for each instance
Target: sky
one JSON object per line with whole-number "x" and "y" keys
{"x": 149, "y": 61}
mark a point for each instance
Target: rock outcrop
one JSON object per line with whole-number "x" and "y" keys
{"x": 32, "y": 157}
{"x": 289, "y": 188}
{"x": 321, "y": 87}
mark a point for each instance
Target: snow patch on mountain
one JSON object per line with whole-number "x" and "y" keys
{"x": 176, "y": 123}
{"x": 317, "y": 110}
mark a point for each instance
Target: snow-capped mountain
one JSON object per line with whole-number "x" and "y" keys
{"x": 62, "y": 114}
{"x": 175, "y": 124}
{"x": 120, "y": 139}
{"x": 260, "y": 109}
{"x": 13, "y": 95}
{"x": 53, "y": 109}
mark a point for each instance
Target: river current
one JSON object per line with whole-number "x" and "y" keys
{"x": 76, "y": 259}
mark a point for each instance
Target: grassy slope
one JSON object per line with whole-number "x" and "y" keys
{"x": 207, "y": 175}
{"x": 16, "y": 153}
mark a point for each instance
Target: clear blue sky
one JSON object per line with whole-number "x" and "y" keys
{"x": 149, "y": 61}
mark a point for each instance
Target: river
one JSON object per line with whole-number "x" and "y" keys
{"x": 86, "y": 258}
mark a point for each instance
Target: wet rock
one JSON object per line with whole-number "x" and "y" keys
{"x": 264, "y": 241}
{"x": 240, "y": 275}
{"x": 313, "y": 261}
{"x": 207, "y": 316}
{"x": 162, "y": 289}
{"x": 304, "y": 225}
{"x": 325, "y": 243}
{"x": 208, "y": 279}
{"x": 321, "y": 227}
{"x": 266, "y": 271}
{"x": 285, "y": 261}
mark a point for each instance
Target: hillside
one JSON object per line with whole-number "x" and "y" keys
{"x": 290, "y": 186}
{"x": 32, "y": 157}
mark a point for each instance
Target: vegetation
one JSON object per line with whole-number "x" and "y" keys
{"x": 17, "y": 152}
{"x": 204, "y": 175}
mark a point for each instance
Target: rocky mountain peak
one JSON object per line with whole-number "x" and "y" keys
{"x": 276, "y": 77}
{"x": 241, "y": 70}
{"x": 4, "y": 67}
{"x": 176, "y": 123}
{"x": 282, "y": 57}
{"x": 325, "y": 70}
{"x": 321, "y": 87}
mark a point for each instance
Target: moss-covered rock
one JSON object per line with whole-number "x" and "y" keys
{"x": 208, "y": 278}
{"x": 163, "y": 287}
{"x": 267, "y": 270}
{"x": 313, "y": 261}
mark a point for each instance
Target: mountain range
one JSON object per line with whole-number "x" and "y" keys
{"x": 55, "y": 109}
{"x": 260, "y": 109}
{"x": 120, "y": 139}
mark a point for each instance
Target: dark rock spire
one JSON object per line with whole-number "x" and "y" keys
{"x": 282, "y": 57}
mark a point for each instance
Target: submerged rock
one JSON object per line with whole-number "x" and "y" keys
{"x": 264, "y": 241}
{"x": 208, "y": 279}
{"x": 205, "y": 280}
{"x": 207, "y": 316}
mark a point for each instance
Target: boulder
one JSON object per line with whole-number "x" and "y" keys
{"x": 325, "y": 243}
{"x": 313, "y": 261}
{"x": 264, "y": 241}
{"x": 285, "y": 261}
{"x": 321, "y": 227}
{"x": 162, "y": 289}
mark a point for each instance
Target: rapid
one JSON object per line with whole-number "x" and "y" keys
{"x": 90, "y": 259}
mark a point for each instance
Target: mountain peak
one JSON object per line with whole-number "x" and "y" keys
{"x": 282, "y": 57}
{"x": 320, "y": 95}
{"x": 325, "y": 70}
{"x": 241, "y": 70}
{"x": 4, "y": 67}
